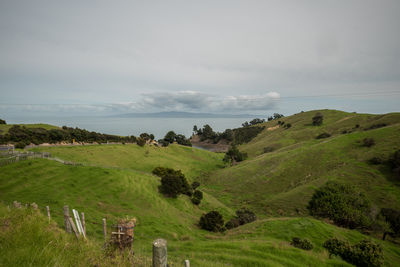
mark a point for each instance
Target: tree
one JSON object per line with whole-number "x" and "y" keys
{"x": 317, "y": 119}
{"x": 170, "y": 137}
{"x": 195, "y": 129}
{"x": 173, "y": 182}
{"x": 234, "y": 155}
{"x": 212, "y": 221}
{"x": 278, "y": 116}
{"x": 2, "y": 121}
{"x": 140, "y": 141}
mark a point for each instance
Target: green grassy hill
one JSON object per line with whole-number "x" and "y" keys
{"x": 116, "y": 181}
{"x": 5, "y": 127}
{"x": 282, "y": 181}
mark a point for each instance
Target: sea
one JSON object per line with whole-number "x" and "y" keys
{"x": 134, "y": 126}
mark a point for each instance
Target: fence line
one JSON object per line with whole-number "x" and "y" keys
{"x": 33, "y": 155}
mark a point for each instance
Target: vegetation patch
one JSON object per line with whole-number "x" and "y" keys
{"x": 302, "y": 243}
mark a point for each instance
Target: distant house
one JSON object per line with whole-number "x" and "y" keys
{"x": 7, "y": 148}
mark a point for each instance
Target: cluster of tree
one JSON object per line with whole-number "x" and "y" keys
{"x": 22, "y": 136}
{"x": 317, "y": 119}
{"x": 172, "y": 137}
{"x": 243, "y": 216}
{"x": 364, "y": 253}
{"x": 2, "y": 121}
{"x": 253, "y": 122}
{"x": 233, "y": 155}
{"x": 237, "y": 136}
{"x": 302, "y": 243}
{"x": 174, "y": 183}
{"x": 346, "y": 206}
{"x": 144, "y": 138}
{"x": 282, "y": 123}
{"x": 275, "y": 117}
{"x": 343, "y": 204}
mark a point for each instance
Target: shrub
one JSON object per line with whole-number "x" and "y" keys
{"x": 212, "y": 221}
{"x": 161, "y": 171}
{"x": 195, "y": 201}
{"x": 2, "y": 121}
{"x": 375, "y": 126}
{"x": 323, "y": 135}
{"x": 245, "y": 216}
{"x": 288, "y": 125}
{"x": 232, "y": 223}
{"x": 395, "y": 161}
{"x": 343, "y": 204}
{"x": 392, "y": 216}
{"x": 174, "y": 183}
{"x": 364, "y": 253}
{"x": 195, "y": 184}
{"x": 198, "y": 194}
{"x": 301, "y": 243}
{"x": 317, "y": 119}
{"x": 268, "y": 149}
{"x": 21, "y": 145}
{"x": 375, "y": 161}
{"x": 368, "y": 142}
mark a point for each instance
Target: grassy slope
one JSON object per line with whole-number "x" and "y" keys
{"x": 193, "y": 162}
{"x": 284, "y": 180}
{"x": 5, "y": 127}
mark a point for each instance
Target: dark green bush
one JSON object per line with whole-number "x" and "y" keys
{"x": 212, "y": 221}
{"x": 288, "y": 125}
{"x": 375, "y": 126}
{"x": 376, "y": 161}
{"x": 196, "y": 201}
{"x": 395, "y": 162}
{"x": 302, "y": 243}
{"x": 323, "y": 135}
{"x": 268, "y": 149}
{"x": 392, "y": 216}
{"x": 198, "y": 194}
{"x": 245, "y": 216}
{"x": 195, "y": 184}
{"x": 2, "y": 121}
{"x": 317, "y": 119}
{"x": 343, "y": 204}
{"x": 173, "y": 182}
{"x": 21, "y": 145}
{"x": 368, "y": 142}
{"x": 232, "y": 223}
{"x": 364, "y": 253}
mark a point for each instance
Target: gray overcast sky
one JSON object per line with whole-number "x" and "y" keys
{"x": 216, "y": 56}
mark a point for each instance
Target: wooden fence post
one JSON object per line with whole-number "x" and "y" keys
{"x": 48, "y": 212}
{"x": 187, "y": 263}
{"x": 83, "y": 223}
{"x": 66, "y": 219}
{"x": 160, "y": 253}
{"x": 105, "y": 229}
{"x": 73, "y": 227}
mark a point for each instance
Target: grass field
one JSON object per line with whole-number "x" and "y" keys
{"x": 116, "y": 181}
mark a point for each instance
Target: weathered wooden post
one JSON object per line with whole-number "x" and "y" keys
{"x": 73, "y": 227}
{"x": 160, "y": 253}
{"x": 105, "y": 229}
{"x": 48, "y": 212}
{"x": 66, "y": 219}
{"x": 83, "y": 223}
{"x": 187, "y": 263}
